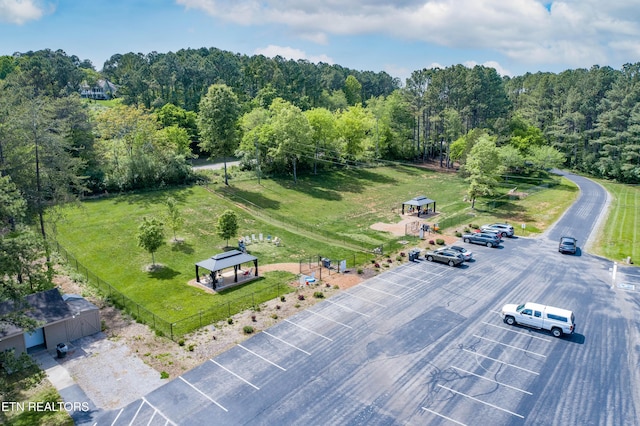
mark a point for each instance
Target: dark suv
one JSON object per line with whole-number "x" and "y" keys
{"x": 568, "y": 245}
{"x": 489, "y": 240}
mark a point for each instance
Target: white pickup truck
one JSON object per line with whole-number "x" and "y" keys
{"x": 558, "y": 321}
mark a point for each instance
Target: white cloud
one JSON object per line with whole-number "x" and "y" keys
{"x": 490, "y": 64}
{"x": 573, "y": 32}
{"x": 21, "y": 11}
{"x": 291, "y": 53}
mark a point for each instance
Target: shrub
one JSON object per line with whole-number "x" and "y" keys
{"x": 431, "y": 242}
{"x": 318, "y": 295}
{"x": 181, "y": 342}
{"x": 159, "y": 333}
{"x": 389, "y": 261}
{"x": 399, "y": 258}
{"x": 458, "y": 234}
{"x": 229, "y": 320}
{"x": 373, "y": 261}
{"x": 297, "y": 305}
{"x": 164, "y": 375}
{"x": 247, "y": 329}
{"x": 283, "y": 299}
{"x": 360, "y": 271}
{"x": 192, "y": 347}
{"x": 402, "y": 254}
{"x": 253, "y": 318}
{"x": 336, "y": 287}
{"x": 277, "y": 306}
{"x": 440, "y": 241}
{"x": 474, "y": 226}
{"x": 377, "y": 265}
{"x": 301, "y": 297}
{"x": 274, "y": 316}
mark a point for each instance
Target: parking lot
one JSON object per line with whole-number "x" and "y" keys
{"x": 424, "y": 344}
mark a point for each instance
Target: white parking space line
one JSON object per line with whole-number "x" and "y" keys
{"x": 509, "y": 346}
{"x": 231, "y": 372}
{"x": 137, "y": 411}
{"x": 286, "y": 343}
{"x": 379, "y": 291}
{"x": 158, "y": 411}
{"x": 310, "y": 331}
{"x": 329, "y": 319}
{"x": 501, "y": 362}
{"x": 262, "y": 358}
{"x": 482, "y": 402}
{"x": 444, "y": 417}
{"x": 491, "y": 380}
{"x": 378, "y": 278}
{"x": 347, "y": 308}
{"x": 117, "y": 417}
{"x": 151, "y": 419}
{"x": 365, "y": 300}
{"x": 515, "y": 331}
{"x": 202, "y": 393}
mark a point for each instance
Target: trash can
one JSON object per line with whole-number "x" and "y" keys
{"x": 326, "y": 262}
{"x": 62, "y": 350}
{"x": 414, "y": 254}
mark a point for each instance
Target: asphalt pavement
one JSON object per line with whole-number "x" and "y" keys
{"x": 424, "y": 344}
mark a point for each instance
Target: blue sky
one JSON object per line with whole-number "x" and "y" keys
{"x": 513, "y": 36}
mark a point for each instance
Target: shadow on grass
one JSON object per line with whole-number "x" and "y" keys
{"x": 254, "y": 197}
{"x": 163, "y": 273}
{"x": 181, "y": 246}
{"x": 154, "y": 197}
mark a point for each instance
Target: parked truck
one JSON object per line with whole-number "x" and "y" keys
{"x": 558, "y": 321}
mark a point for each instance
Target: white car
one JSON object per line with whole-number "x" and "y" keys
{"x": 504, "y": 228}
{"x": 558, "y": 321}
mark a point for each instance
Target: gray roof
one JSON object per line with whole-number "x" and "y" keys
{"x": 226, "y": 260}
{"x": 46, "y": 306}
{"x": 419, "y": 201}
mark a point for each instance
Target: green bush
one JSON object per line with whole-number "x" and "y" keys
{"x": 274, "y": 316}
{"x": 229, "y": 321}
{"x": 318, "y": 295}
{"x": 474, "y": 226}
{"x": 247, "y": 329}
{"x": 164, "y": 375}
{"x": 283, "y": 299}
{"x": 360, "y": 271}
{"x": 458, "y": 234}
{"x": 192, "y": 347}
{"x": 181, "y": 342}
{"x": 440, "y": 241}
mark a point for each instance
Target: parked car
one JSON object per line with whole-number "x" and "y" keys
{"x": 466, "y": 254}
{"x": 497, "y": 232}
{"x": 489, "y": 240}
{"x": 558, "y": 321}
{"x": 568, "y": 245}
{"x": 443, "y": 255}
{"x": 506, "y": 229}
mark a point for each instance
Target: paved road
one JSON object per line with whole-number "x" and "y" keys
{"x": 424, "y": 344}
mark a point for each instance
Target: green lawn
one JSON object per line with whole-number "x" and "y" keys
{"x": 619, "y": 238}
{"x": 326, "y": 215}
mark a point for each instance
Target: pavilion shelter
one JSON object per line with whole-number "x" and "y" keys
{"x": 230, "y": 259}
{"x": 422, "y": 203}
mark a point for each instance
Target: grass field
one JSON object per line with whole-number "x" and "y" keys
{"x": 326, "y": 215}
{"x": 620, "y": 236}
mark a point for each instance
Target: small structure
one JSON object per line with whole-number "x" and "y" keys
{"x": 421, "y": 203}
{"x": 62, "y": 320}
{"x": 230, "y": 259}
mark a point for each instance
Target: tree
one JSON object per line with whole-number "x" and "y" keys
{"x": 352, "y": 90}
{"x": 174, "y": 217}
{"x": 483, "y": 166}
{"x": 151, "y": 236}
{"x": 227, "y": 225}
{"x": 545, "y": 157}
{"x": 292, "y": 134}
{"x": 218, "y": 123}
{"x": 22, "y": 271}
